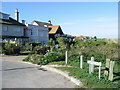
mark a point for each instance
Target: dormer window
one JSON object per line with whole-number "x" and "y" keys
{"x": 4, "y": 16}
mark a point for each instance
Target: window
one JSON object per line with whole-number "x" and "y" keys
{"x": 31, "y": 32}
{"x": 47, "y": 35}
{"x": 57, "y": 35}
{"x": 41, "y": 34}
{"x": 5, "y": 17}
{"x": 17, "y": 29}
{"x": 34, "y": 32}
{"x": 0, "y": 39}
{"x": 5, "y": 28}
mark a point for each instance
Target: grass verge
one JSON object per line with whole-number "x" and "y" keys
{"x": 90, "y": 80}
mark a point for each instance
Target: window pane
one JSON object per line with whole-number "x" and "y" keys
{"x": 5, "y": 28}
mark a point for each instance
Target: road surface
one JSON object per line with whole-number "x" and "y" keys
{"x": 16, "y": 74}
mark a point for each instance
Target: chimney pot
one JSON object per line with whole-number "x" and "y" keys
{"x": 23, "y": 21}
{"x": 49, "y": 21}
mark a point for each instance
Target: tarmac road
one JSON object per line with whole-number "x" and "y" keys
{"x": 16, "y": 74}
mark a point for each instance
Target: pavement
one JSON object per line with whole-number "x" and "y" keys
{"x": 16, "y": 74}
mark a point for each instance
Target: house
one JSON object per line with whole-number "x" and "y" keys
{"x": 44, "y": 24}
{"x": 55, "y": 31}
{"x": 69, "y": 37}
{"x": 37, "y": 33}
{"x": 83, "y": 38}
{"x": 12, "y": 29}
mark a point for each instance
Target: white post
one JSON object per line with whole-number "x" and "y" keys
{"x": 92, "y": 65}
{"x": 89, "y": 68}
{"x": 99, "y": 71}
{"x": 66, "y": 57}
{"x": 81, "y": 61}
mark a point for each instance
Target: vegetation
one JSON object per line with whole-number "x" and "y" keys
{"x": 89, "y": 80}
{"x": 99, "y": 48}
{"x": 12, "y": 48}
{"x": 2, "y": 51}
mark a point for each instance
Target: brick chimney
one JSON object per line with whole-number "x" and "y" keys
{"x": 16, "y": 15}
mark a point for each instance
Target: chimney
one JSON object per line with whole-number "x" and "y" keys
{"x": 49, "y": 21}
{"x": 23, "y": 21}
{"x": 16, "y": 15}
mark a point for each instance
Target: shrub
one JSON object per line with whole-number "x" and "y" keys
{"x": 33, "y": 43}
{"x": 2, "y": 51}
{"x": 29, "y": 46}
{"x": 41, "y": 50}
{"x": 12, "y": 48}
{"x": 43, "y": 59}
{"x": 27, "y": 59}
{"x": 65, "y": 43}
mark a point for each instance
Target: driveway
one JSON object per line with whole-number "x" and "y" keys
{"x": 16, "y": 74}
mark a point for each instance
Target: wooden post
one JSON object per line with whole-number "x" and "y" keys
{"x": 81, "y": 61}
{"x": 66, "y": 57}
{"x": 111, "y": 70}
{"x": 107, "y": 67}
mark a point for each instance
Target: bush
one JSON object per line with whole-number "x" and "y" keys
{"x": 27, "y": 59}
{"x": 12, "y": 48}
{"x": 2, "y": 51}
{"x": 43, "y": 59}
{"x": 28, "y": 47}
{"x": 33, "y": 43}
{"x": 41, "y": 50}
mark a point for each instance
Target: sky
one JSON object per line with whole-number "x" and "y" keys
{"x": 75, "y": 18}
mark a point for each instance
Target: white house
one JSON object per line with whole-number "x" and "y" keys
{"x": 37, "y": 33}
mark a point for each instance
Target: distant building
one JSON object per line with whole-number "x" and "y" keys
{"x": 83, "y": 38}
{"x": 12, "y": 29}
{"x": 55, "y": 31}
{"x": 68, "y": 36}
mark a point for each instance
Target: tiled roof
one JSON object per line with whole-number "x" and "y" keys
{"x": 53, "y": 29}
{"x": 80, "y": 37}
{"x": 10, "y": 21}
{"x": 42, "y": 23}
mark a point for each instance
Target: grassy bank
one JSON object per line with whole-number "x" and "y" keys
{"x": 90, "y": 80}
